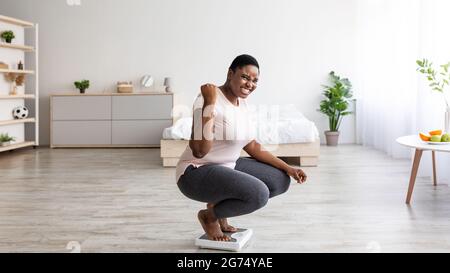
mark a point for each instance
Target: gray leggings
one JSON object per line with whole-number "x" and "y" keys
{"x": 234, "y": 192}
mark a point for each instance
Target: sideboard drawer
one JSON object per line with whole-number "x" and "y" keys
{"x": 81, "y": 132}
{"x": 81, "y": 108}
{"x": 140, "y": 132}
{"x": 141, "y": 107}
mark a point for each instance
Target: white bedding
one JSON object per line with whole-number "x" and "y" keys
{"x": 287, "y": 126}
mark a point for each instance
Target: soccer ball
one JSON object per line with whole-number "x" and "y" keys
{"x": 20, "y": 112}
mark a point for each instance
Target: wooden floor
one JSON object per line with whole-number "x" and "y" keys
{"x": 122, "y": 200}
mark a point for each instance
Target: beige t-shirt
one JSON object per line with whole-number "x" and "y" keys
{"x": 232, "y": 132}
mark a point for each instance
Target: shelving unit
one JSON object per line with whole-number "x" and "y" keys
{"x": 11, "y": 53}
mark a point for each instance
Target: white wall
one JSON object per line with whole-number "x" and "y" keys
{"x": 296, "y": 42}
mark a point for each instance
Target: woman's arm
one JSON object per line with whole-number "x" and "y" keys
{"x": 255, "y": 150}
{"x": 201, "y": 141}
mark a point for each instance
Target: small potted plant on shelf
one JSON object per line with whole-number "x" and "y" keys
{"x": 6, "y": 139}
{"x": 82, "y": 85}
{"x": 335, "y": 105}
{"x": 8, "y": 35}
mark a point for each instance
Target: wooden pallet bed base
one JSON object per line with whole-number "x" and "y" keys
{"x": 304, "y": 154}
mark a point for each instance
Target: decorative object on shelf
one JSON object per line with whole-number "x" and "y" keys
{"x": 11, "y": 77}
{"x": 124, "y": 87}
{"x": 20, "y": 80}
{"x": 16, "y": 80}
{"x": 20, "y": 65}
{"x": 6, "y": 139}
{"x": 82, "y": 85}
{"x": 335, "y": 105}
{"x": 3, "y": 65}
{"x": 438, "y": 82}
{"x": 20, "y": 112}
{"x": 168, "y": 84}
{"x": 147, "y": 81}
{"x": 13, "y": 90}
{"x": 7, "y": 35}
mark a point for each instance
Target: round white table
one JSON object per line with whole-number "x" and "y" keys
{"x": 414, "y": 141}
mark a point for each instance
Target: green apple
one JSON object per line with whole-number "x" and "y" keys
{"x": 435, "y": 138}
{"x": 445, "y": 138}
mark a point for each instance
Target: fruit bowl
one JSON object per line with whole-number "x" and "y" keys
{"x": 436, "y": 143}
{"x": 435, "y": 137}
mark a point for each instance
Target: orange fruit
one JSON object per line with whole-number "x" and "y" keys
{"x": 424, "y": 137}
{"x": 435, "y": 132}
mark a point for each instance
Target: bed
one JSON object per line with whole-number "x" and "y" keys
{"x": 288, "y": 135}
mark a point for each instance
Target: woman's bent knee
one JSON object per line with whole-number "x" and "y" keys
{"x": 260, "y": 199}
{"x": 283, "y": 181}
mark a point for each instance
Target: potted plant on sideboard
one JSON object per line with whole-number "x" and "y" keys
{"x": 82, "y": 85}
{"x": 335, "y": 105}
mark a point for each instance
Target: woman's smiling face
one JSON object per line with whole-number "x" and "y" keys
{"x": 243, "y": 81}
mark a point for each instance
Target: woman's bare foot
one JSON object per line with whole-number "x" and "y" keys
{"x": 211, "y": 226}
{"x": 224, "y": 226}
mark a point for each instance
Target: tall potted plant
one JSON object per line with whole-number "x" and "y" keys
{"x": 438, "y": 82}
{"x": 335, "y": 105}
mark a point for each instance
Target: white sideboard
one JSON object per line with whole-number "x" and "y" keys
{"x": 109, "y": 120}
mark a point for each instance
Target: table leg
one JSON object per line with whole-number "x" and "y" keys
{"x": 434, "y": 168}
{"x": 412, "y": 179}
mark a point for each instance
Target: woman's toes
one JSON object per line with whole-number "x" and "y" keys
{"x": 229, "y": 229}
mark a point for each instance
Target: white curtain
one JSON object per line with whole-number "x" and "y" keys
{"x": 392, "y": 98}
